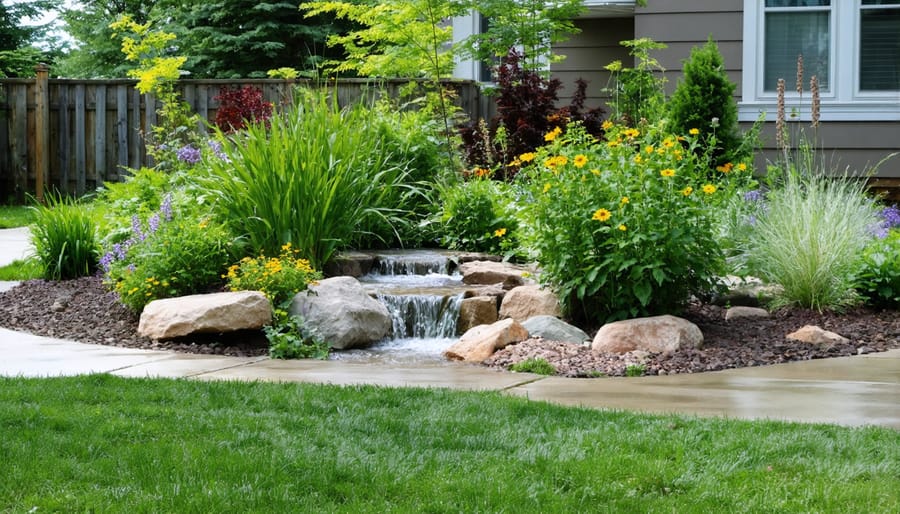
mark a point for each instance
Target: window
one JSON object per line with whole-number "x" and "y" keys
{"x": 852, "y": 46}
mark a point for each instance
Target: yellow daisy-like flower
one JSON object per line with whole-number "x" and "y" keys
{"x": 622, "y": 227}
{"x": 558, "y": 160}
{"x": 687, "y": 191}
{"x": 649, "y": 149}
{"x": 668, "y": 142}
{"x": 668, "y": 172}
{"x": 601, "y": 215}
{"x": 606, "y": 125}
{"x": 527, "y": 157}
{"x": 547, "y": 187}
{"x": 614, "y": 143}
{"x": 742, "y": 167}
{"x": 631, "y": 133}
{"x": 709, "y": 189}
{"x": 500, "y": 232}
{"x": 580, "y": 160}
{"x": 694, "y": 131}
{"x": 550, "y": 136}
{"x": 624, "y": 200}
{"x": 638, "y": 159}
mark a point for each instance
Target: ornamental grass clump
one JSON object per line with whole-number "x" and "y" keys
{"x": 811, "y": 239}
{"x": 627, "y": 227}
{"x": 319, "y": 177}
{"x": 64, "y": 237}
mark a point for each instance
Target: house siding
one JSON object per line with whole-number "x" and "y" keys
{"x": 681, "y": 24}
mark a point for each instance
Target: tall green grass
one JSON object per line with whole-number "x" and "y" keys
{"x": 64, "y": 237}
{"x": 319, "y": 177}
{"x": 811, "y": 238}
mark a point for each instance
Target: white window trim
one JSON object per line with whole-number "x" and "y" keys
{"x": 845, "y": 102}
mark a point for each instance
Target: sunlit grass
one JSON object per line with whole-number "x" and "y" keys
{"x": 107, "y": 444}
{"x": 13, "y": 216}
{"x": 21, "y": 269}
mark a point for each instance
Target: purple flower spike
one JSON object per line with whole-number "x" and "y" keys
{"x": 891, "y": 216}
{"x": 136, "y": 228}
{"x": 106, "y": 261}
{"x": 166, "y": 208}
{"x": 153, "y": 223}
{"x": 119, "y": 251}
{"x": 188, "y": 154}
{"x": 753, "y": 196}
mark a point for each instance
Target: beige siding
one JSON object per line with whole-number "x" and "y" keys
{"x": 588, "y": 52}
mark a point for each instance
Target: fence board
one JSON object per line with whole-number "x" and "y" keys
{"x": 134, "y": 131}
{"x": 121, "y": 126}
{"x": 19, "y": 151}
{"x": 80, "y": 129}
{"x": 63, "y": 147}
{"x": 100, "y": 133}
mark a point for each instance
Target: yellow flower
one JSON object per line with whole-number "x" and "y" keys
{"x": 668, "y": 172}
{"x": 204, "y": 224}
{"x": 606, "y": 125}
{"x": 580, "y": 160}
{"x": 550, "y": 136}
{"x": 694, "y": 131}
{"x": 500, "y": 232}
{"x": 668, "y": 142}
{"x": 638, "y": 159}
{"x": 558, "y": 160}
{"x": 709, "y": 189}
{"x": 687, "y": 191}
{"x": 595, "y": 171}
{"x": 742, "y": 167}
{"x": 725, "y": 168}
{"x": 624, "y": 200}
{"x": 527, "y": 157}
{"x": 286, "y": 247}
{"x": 622, "y": 227}
{"x": 614, "y": 143}
{"x": 601, "y": 215}
{"x": 649, "y": 149}
{"x": 482, "y": 172}
{"x": 547, "y": 187}
{"x": 631, "y": 133}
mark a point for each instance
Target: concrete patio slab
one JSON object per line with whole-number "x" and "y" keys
{"x": 184, "y": 365}
{"x": 14, "y": 245}
{"x": 451, "y": 375}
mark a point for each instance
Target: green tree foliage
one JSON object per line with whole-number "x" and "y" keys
{"x": 530, "y": 26}
{"x": 97, "y": 54}
{"x": 18, "y": 55}
{"x": 245, "y": 38}
{"x": 704, "y": 100}
{"x": 395, "y": 38}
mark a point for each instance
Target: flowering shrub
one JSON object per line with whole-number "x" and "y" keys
{"x": 878, "y": 280}
{"x": 475, "y": 215}
{"x": 279, "y": 278}
{"x": 239, "y": 105}
{"x": 626, "y": 227}
{"x": 166, "y": 258}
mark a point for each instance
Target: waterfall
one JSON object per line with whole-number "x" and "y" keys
{"x": 422, "y": 316}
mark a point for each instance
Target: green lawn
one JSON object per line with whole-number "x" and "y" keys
{"x": 12, "y": 216}
{"x": 106, "y": 444}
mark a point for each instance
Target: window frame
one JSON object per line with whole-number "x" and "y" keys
{"x": 845, "y": 101}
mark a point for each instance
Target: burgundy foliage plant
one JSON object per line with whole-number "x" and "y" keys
{"x": 238, "y": 105}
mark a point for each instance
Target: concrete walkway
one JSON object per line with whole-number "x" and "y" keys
{"x": 862, "y": 390}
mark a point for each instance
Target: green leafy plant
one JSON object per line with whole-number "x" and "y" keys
{"x": 537, "y": 365}
{"x": 476, "y": 215}
{"x": 637, "y": 93}
{"x": 64, "y": 237}
{"x": 318, "y": 177}
{"x": 290, "y": 338}
{"x": 279, "y": 278}
{"x": 878, "y": 281}
{"x": 811, "y": 238}
{"x": 704, "y": 99}
{"x": 635, "y": 370}
{"x": 626, "y": 227}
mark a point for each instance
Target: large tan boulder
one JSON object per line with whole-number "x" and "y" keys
{"x": 657, "y": 334}
{"x": 488, "y": 272}
{"x": 475, "y": 311}
{"x": 481, "y": 342}
{"x": 816, "y": 335}
{"x": 205, "y": 313}
{"x": 524, "y": 302}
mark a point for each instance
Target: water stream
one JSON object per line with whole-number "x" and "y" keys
{"x": 423, "y": 294}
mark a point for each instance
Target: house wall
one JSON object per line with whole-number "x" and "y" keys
{"x": 587, "y": 53}
{"x": 682, "y": 24}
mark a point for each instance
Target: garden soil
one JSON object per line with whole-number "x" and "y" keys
{"x": 83, "y": 310}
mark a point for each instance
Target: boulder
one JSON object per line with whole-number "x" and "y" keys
{"x": 479, "y": 343}
{"x": 816, "y": 335}
{"x": 351, "y": 264}
{"x": 488, "y": 272}
{"x": 205, "y": 313}
{"x": 524, "y": 302}
{"x": 657, "y": 334}
{"x": 342, "y": 313}
{"x": 475, "y": 311}
{"x": 745, "y": 312}
{"x": 552, "y": 328}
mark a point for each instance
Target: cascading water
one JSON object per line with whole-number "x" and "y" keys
{"x": 423, "y": 299}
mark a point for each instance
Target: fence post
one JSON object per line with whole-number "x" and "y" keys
{"x": 41, "y": 128}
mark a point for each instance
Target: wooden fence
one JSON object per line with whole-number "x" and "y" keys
{"x": 74, "y": 135}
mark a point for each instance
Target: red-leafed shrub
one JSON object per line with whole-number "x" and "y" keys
{"x": 239, "y": 105}
{"x": 526, "y": 111}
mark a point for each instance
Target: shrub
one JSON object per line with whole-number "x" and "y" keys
{"x": 290, "y": 338}
{"x": 279, "y": 278}
{"x": 475, "y": 217}
{"x": 627, "y": 227}
{"x": 537, "y": 365}
{"x": 811, "y": 238}
{"x": 526, "y": 111}
{"x": 64, "y": 238}
{"x": 167, "y": 259}
{"x": 237, "y": 106}
{"x": 637, "y": 93}
{"x": 320, "y": 177}
{"x": 704, "y": 99}
{"x": 878, "y": 281}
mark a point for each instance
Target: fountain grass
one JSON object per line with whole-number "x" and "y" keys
{"x": 108, "y": 444}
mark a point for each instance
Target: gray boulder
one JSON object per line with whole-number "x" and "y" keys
{"x": 342, "y": 313}
{"x": 657, "y": 334}
{"x": 552, "y": 328}
{"x": 205, "y": 313}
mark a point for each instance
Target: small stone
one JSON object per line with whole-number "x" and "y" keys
{"x": 745, "y": 312}
{"x": 816, "y": 335}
